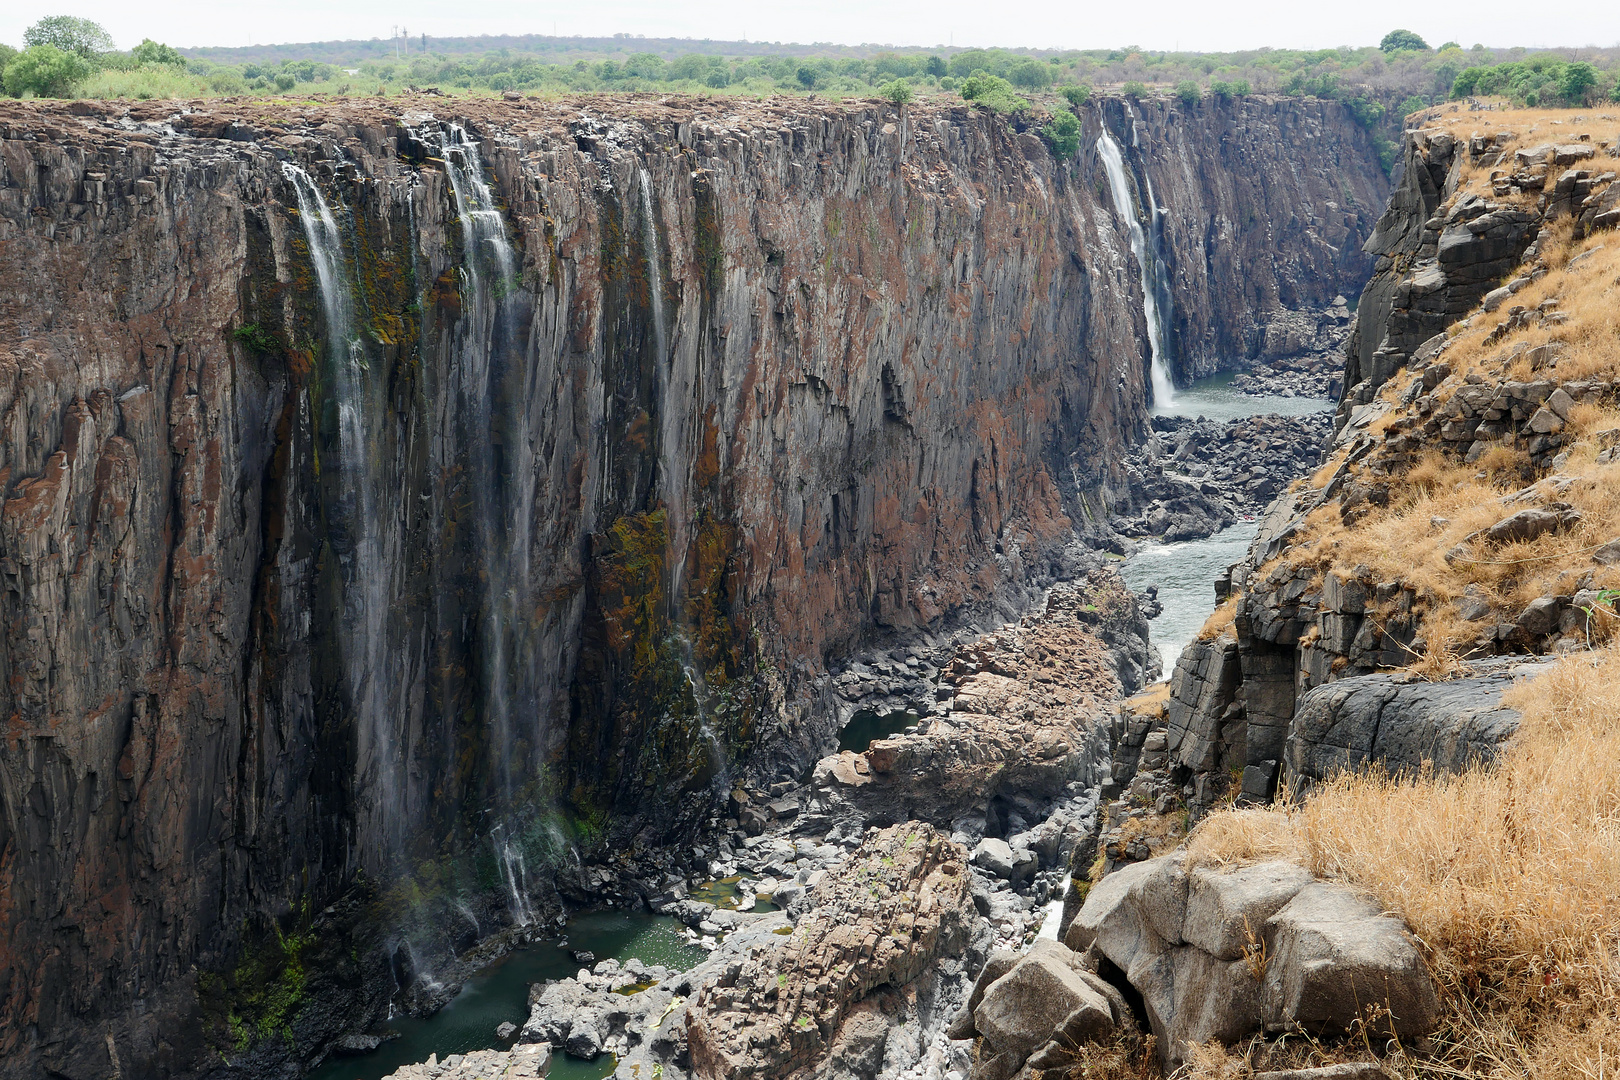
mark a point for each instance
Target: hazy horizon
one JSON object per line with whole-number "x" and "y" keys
{"x": 1175, "y": 25}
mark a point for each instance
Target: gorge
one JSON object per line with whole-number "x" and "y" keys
{"x": 425, "y": 506}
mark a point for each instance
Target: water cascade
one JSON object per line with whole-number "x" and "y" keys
{"x": 491, "y": 388}
{"x": 1124, "y": 206}
{"x": 671, "y": 486}
{"x": 367, "y": 571}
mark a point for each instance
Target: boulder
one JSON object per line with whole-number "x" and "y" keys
{"x": 997, "y": 857}
{"x": 1530, "y": 524}
{"x": 1224, "y": 954}
{"x": 1041, "y": 995}
{"x": 1335, "y": 954}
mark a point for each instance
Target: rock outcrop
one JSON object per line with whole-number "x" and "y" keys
{"x": 902, "y": 903}
{"x": 1401, "y": 723}
{"x": 1223, "y": 954}
{"x": 1017, "y": 722}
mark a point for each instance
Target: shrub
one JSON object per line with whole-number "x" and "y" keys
{"x": 1063, "y": 135}
{"x": 45, "y": 71}
{"x": 286, "y": 81}
{"x": 81, "y": 37}
{"x": 807, "y": 76}
{"x": 1188, "y": 93}
{"x": 1403, "y": 40}
{"x": 152, "y": 52}
{"x": 897, "y": 91}
{"x": 717, "y": 79}
{"x": 1411, "y": 105}
{"x": 1226, "y": 91}
{"x": 1135, "y": 91}
{"x": 1077, "y": 95}
{"x": 1031, "y": 74}
{"x": 992, "y": 93}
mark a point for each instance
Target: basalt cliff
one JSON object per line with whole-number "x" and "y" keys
{"x": 418, "y": 505}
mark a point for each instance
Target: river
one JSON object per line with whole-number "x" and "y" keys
{"x": 1185, "y": 572}
{"x": 501, "y": 993}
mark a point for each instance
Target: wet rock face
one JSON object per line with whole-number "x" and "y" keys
{"x": 747, "y": 389}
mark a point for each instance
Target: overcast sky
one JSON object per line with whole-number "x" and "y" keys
{"x": 1162, "y": 24}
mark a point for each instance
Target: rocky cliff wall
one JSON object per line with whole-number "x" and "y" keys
{"x": 395, "y": 506}
{"x": 1261, "y": 206}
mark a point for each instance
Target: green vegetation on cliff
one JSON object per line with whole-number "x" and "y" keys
{"x": 1400, "y": 71}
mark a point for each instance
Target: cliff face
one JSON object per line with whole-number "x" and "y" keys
{"x": 1263, "y": 205}
{"x": 394, "y": 507}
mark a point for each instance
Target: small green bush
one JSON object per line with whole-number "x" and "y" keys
{"x": 717, "y": 79}
{"x": 993, "y": 93}
{"x": 1063, "y": 135}
{"x": 1188, "y": 93}
{"x": 1226, "y": 91}
{"x": 152, "y": 52}
{"x": 1135, "y": 91}
{"x": 897, "y": 91}
{"x": 1077, "y": 95}
{"x": 45, "y": 71}
{"x": 285, "y": 82}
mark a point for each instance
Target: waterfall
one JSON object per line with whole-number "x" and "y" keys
{"x": 492, "y": 390}
{"x": 671, "y": 485}
{"x": 1119, "y": 188}
{"x": 366, "y": 570}
{"x": 515, "y": 876}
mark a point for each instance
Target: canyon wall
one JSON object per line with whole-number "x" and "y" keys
{"x": 396, "y": 508}
{"x": 1263, "y": 205}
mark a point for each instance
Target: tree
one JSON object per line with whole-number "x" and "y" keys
{"x": 806, "y": 76}
{"x": 1403, "y": 40}
{"x": 45, "y": 71}
{"x": 897, "y": 91}
{"x": 151, "y": 52}
{"x": 1576, "y": 81}
{"x": 1077, "y": 95}
{"x": 1188, "y": 92}
{"x": 1063, "y": 135}
{"x": 1030, "y": 74}
{"x": 71, "y": 35}
{"x": 993, "y": 93}
{"x": 1134, "y": 90}
{"x": 935, "y": 66}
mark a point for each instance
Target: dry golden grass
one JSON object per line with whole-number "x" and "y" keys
{"x": 1220, "y": 620}
{"x": 1526, "y": 127}
{"x": 1509, "y": 876}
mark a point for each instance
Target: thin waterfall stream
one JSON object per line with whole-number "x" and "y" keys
{"x": 1119, "y": 188}
{"x": 367, "y": 573}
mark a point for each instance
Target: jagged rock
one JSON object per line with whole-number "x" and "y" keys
{"x": 506, "y": 1031}
{"x": 530, "y": 1062}
{"x": 901, "y": 904}
{"x": 1310, "y": 955}
{"x": 1017, "y": 724}
{"x": 1531, "y": 524}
